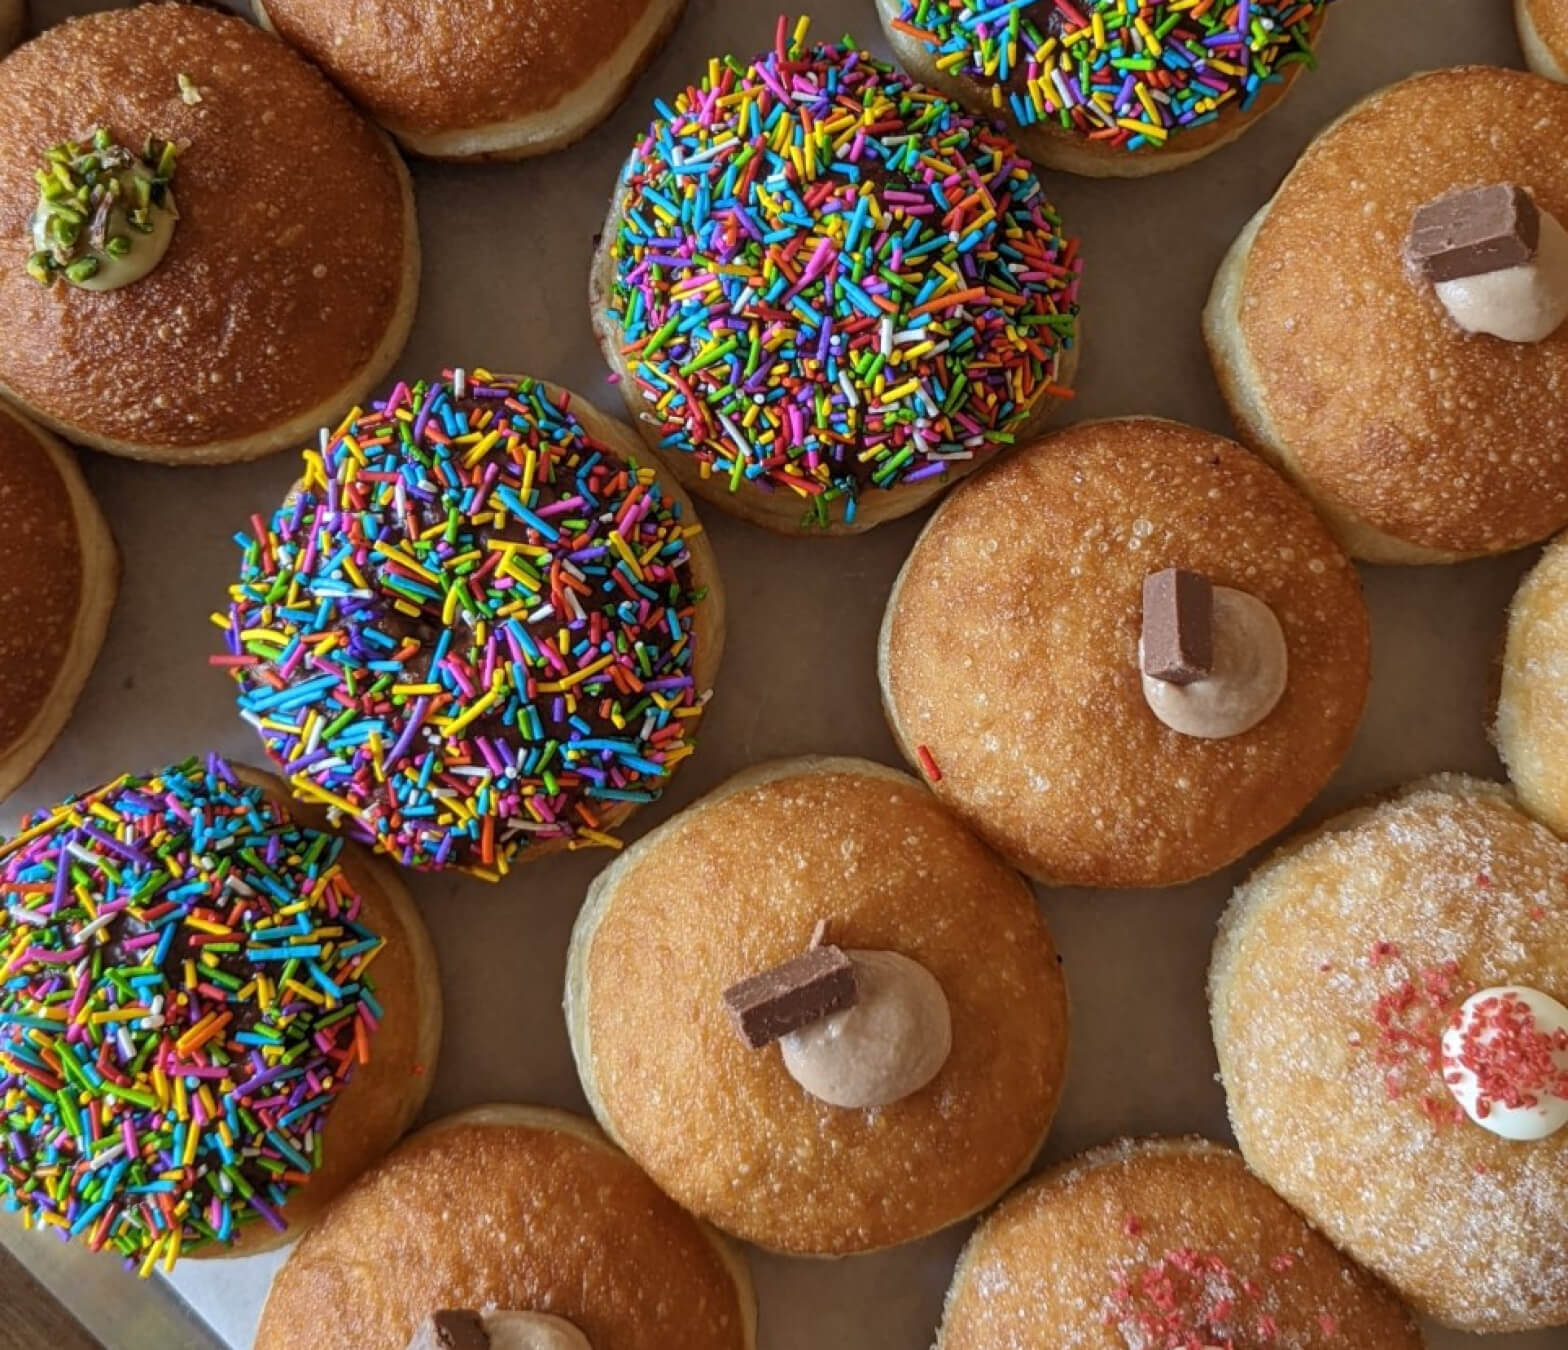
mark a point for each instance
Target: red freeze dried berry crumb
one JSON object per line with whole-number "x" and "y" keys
{"x": 1188, "y": 1300}
{"x": 1411, "y": 1018}
{"x": 1514, "y": 1061}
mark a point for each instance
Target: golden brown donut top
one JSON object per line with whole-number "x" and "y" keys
{"x": 1439, "y": 438}
{"x": 1532, "y": 693}
{"x": 286, "y": 264}
{"x": 1161, "y": 1243}
{"x": 425, "y": 68}
{"x": 1550, "y": 18}
{"x": 1011, "y": 653}
{"x": 737, "y": 885}
{"x": 41, "y": 576}
{"x": 1338, "y": 966}
{"x": 492, "y": 1209}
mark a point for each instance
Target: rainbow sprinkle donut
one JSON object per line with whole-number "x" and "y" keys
{"x": 478, "y": 627}
{"x": 828, "y": 291}
{"x": 1084, "y": 82}
{"x": 183, "y": 996}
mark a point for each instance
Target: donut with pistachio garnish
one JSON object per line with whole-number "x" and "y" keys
{"x": 827, "y": 291}
{"x": 482, "y": 627}
{"x": 1161, "y": 1244}
{"x": 212, "y": 1016}
{"x": 1110, "y": 88}
{"x": 857, "y": 1006}
{"x": 211, "y": 251}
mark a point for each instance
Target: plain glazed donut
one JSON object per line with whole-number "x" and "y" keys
{"x": 518, "y": 1208}
{"x": 62, "y": 572}
{"x": 547, "y": 73}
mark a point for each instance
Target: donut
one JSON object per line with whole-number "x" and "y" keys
{"x": 482, "y": 626}
{"x": 1161, "y": 1243}
{"x": 209, "y": 252}
{"x": 468, "y": 79}
{"x": 510, "y": 1209}
{"x": 832, "y": 907}
{"x": 867, "y": 292}
{"x": 1387, "y": 996}
{"x": 250, "y": 1014}
{"x": 61, "y": 573}
{"x": 1104, "y": 87}
{"x": 1027, "y": 669}
{"x": 1531, "y": 725}
{"x": 1393, "y": 434}
{"x": 1543, "y": 34}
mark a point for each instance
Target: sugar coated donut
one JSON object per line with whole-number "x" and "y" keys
{"x": 61, "y": 573}
{"x": 1543, "y": 33}
{"x": 1037, "y": 664}
{"x": 212, "y": 1017}
{"x": 483, "y": 625}
{"x": 209, "y": 252}
{"x": 510, "y": 1210}
{"x": 470, "y": 79}
{"x": 1455, "y": 350}
{"x": 1387, "y": 995}
{"x": 832, "y": 906}
{"x": 1110, "y": 88}
{"x": 861, "y": 294}
{"x": 1531, "y": 727}
{"x": 1161, "y": 1244}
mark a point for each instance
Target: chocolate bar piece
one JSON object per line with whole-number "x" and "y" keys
{"x": 451, "y": 1329}
{"x": 1468, "y": 233}
{"x": 804, "y": 990}
{"x": 1178, "y": 626}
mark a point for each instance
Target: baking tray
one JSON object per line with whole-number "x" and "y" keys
{"x": 507, "y": 250}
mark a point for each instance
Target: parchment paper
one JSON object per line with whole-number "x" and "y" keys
{"x": 506, "y": 261}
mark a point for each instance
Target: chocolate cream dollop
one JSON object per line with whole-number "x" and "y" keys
{"x": 498, "y": 1329}
{"x": 891, "y": 1044}
{"x": 1246, "y": 680}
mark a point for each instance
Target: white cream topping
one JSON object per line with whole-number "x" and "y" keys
{"x": 1248, "y": 679}
{"x": 892, "y": 1043}
{"x": 146, "y": 251}
{"x": 1546, "y": 1112}
{"x": 1519, "y": 304}
{"x": 532, "y": 1331}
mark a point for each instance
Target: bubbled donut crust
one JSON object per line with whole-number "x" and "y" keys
{"x": 1338, "y": 965}
{"x": 1010, "y": 654}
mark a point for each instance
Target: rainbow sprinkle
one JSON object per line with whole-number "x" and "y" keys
{"x": 1129, "y": 72}
{"x": 182, "y": 997}
{"x": 828, "y": 277}
{"x": 469, "y": 630}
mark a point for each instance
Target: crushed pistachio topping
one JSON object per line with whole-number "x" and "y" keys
{"x": 98, "y": 204}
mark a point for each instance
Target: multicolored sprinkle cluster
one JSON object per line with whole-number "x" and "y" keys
{"x": 469, "y": 630}
{"x": 182, "y": 997}
{"x": 1132, "y": 73}
{"x": 828, "y": 277}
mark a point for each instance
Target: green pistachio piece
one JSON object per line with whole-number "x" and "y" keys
{"x": 117, "y": 245}
{"x": 41, "y": 268}
{"x": 83, "y": 269}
